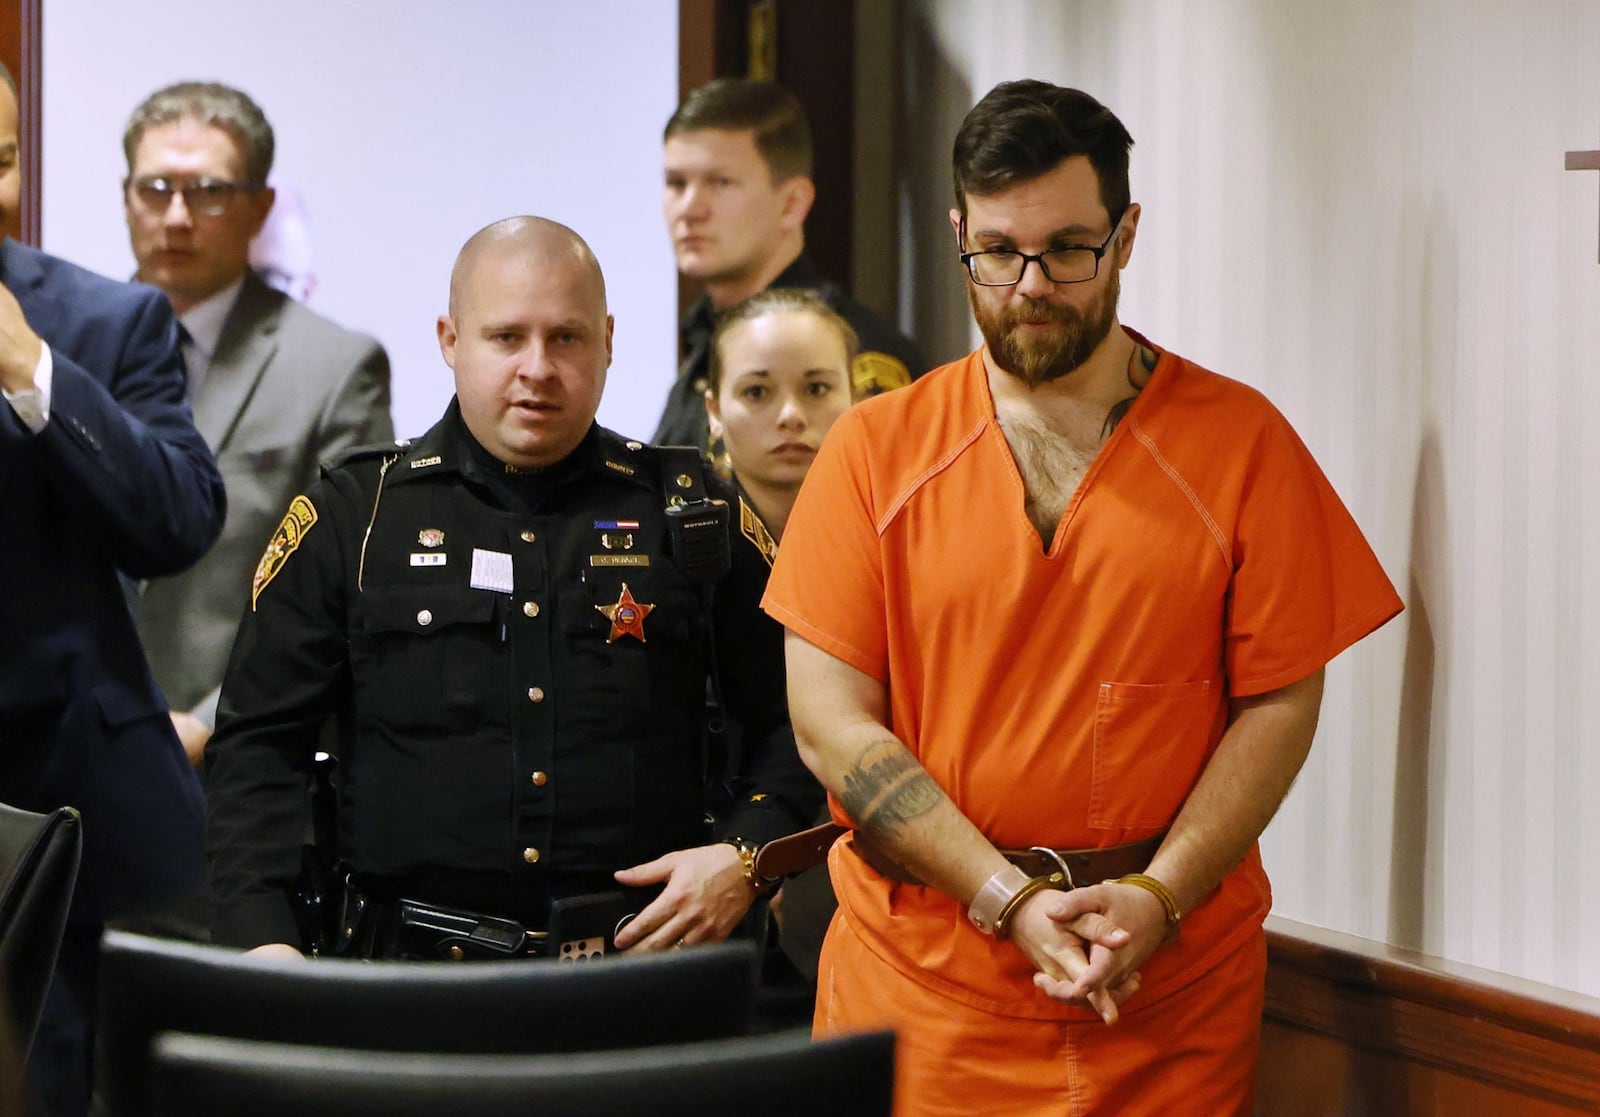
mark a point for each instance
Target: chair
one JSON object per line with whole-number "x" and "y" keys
{"x": 149, "y": 986}
{"x": 780, "y": 1075}
{"x": 38, "y": 867}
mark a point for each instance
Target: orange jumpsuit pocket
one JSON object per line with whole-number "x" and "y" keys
{"x": 1150, "y": 742}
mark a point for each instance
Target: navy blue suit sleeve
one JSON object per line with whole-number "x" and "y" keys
{"x": 125, "y": 454}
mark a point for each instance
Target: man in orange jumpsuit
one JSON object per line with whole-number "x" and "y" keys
{"x": 1058, "y": 615}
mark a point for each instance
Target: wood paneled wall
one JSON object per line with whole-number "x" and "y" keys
{"x": 1353, "y": 1027}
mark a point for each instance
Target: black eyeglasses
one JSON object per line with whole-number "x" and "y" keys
{"x": 1003, "y": 267}
{"x": 209, "y": 197}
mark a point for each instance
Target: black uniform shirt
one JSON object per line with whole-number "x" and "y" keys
{"x": 506, "y": 731}
{"x": 887, "y": 360}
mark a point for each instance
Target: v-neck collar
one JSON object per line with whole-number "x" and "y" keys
{"x": 1154, "y": 387}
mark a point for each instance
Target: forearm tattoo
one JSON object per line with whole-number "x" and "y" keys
{"x": 888, "y": 788}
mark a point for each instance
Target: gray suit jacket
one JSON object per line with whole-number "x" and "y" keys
{"x": 287, "y": 390}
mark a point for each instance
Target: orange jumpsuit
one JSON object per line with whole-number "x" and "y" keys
{"x": 1065, "y": 697}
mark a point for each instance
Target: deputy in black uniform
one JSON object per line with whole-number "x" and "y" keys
{"x": 513, "y": 619}
{"x": 736, "y": 161}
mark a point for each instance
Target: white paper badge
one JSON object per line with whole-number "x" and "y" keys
{"x": 491, "y": 570}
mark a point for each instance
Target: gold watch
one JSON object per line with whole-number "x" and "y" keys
{"x": 747, "y": 851}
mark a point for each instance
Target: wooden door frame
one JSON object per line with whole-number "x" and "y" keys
{"x": 21, "y": 43}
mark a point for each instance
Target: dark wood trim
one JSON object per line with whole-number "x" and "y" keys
{"x": 21, "y": 43}
{"x": 1533, "y": 1040}
{"x": 711, "y": 44}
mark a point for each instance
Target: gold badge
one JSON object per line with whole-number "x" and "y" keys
{"x": 296, "y": 522}
{"x": 751, "y": 527}
{"x": 873, "y": 373}
{"x": 423, "y": 463}
{"x": 431, "y": 537}
{"x": 626, "y": 616}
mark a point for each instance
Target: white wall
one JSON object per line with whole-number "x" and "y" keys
{"x": 406, "y": 125}
{"x": 1362, "y": 209}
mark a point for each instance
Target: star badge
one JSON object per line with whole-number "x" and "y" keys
{"x": 626, "y": 616}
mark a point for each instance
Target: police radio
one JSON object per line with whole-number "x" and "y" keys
{"x": 698, "y": 530}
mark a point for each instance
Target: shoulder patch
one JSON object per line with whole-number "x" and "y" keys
{"x": 284, "y": 542}
{"x": 873, "y": 373}
{"x": 751, "y": 527}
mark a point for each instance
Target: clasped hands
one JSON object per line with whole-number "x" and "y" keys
{"x": 1088, "y": 944}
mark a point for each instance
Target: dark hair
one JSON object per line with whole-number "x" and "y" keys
{"x": 208, "y": 102}
{"x": 1022, "y": 129}
{"x": 782, "y": 134}
{"x": 777, "y": 300}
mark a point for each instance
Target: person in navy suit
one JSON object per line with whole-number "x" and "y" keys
{"x": 101, "y": 473}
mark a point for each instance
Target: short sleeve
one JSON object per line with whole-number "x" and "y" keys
{"x": 1306, "y": 585}
{"x": 827, "y": 582}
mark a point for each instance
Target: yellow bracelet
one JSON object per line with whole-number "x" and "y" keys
{"x": 1158, "y": 890}
{"x": 1002, "y": 922}
{"x": 747, "y": 851}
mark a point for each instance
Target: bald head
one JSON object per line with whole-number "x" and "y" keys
{"x": 528, "y": 339}
{"x": 536, "y": 242}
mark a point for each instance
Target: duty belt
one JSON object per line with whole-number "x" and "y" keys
{"x": 372, "y": 927}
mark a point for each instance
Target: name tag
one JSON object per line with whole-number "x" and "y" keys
{"x": 619, "y": 560}
{"x": 491, "y": 570}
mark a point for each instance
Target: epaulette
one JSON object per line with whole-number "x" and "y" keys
{"x": 624, "y": 456}
{"x": 362, "y": 453}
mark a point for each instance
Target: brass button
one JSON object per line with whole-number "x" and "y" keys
{"x": 424, "y": 617}
{"x": 528, "y": 537}
{"x": 530, "y": 608}
{"x": 456, "y": 954}
{"x": 536, "y": 694}
{"x": 530, "y": 855}
{"x": 539, "y": 779}
{"x": 685, "y": 481}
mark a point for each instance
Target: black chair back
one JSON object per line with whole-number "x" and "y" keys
{"x": 149, "y": 986}
{"x": 38, "y": 867}
{"x": 777, "y": 1075}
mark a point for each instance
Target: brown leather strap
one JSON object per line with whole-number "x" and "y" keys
{"x": 792, "y": 853}
{"x": 1084, "y": 866}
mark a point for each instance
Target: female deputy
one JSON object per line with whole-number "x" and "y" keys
{"x": 779, "y": 377}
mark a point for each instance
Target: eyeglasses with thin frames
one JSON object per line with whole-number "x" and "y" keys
{"x": 1004, "y": 267}
{"x": 207, "y": 197}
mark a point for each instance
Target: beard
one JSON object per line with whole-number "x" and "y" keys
{"x": 1038, "y": 360}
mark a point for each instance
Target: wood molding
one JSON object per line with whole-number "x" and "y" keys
{"x": 20, "y": 43}
{"x": 1523, "y": 1038}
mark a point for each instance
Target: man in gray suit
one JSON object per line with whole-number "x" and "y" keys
{"x": 275, "y": 388}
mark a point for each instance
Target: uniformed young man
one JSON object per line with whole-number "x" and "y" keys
{"x": 737, "y": 189}
{"x": 514, "y": 617}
